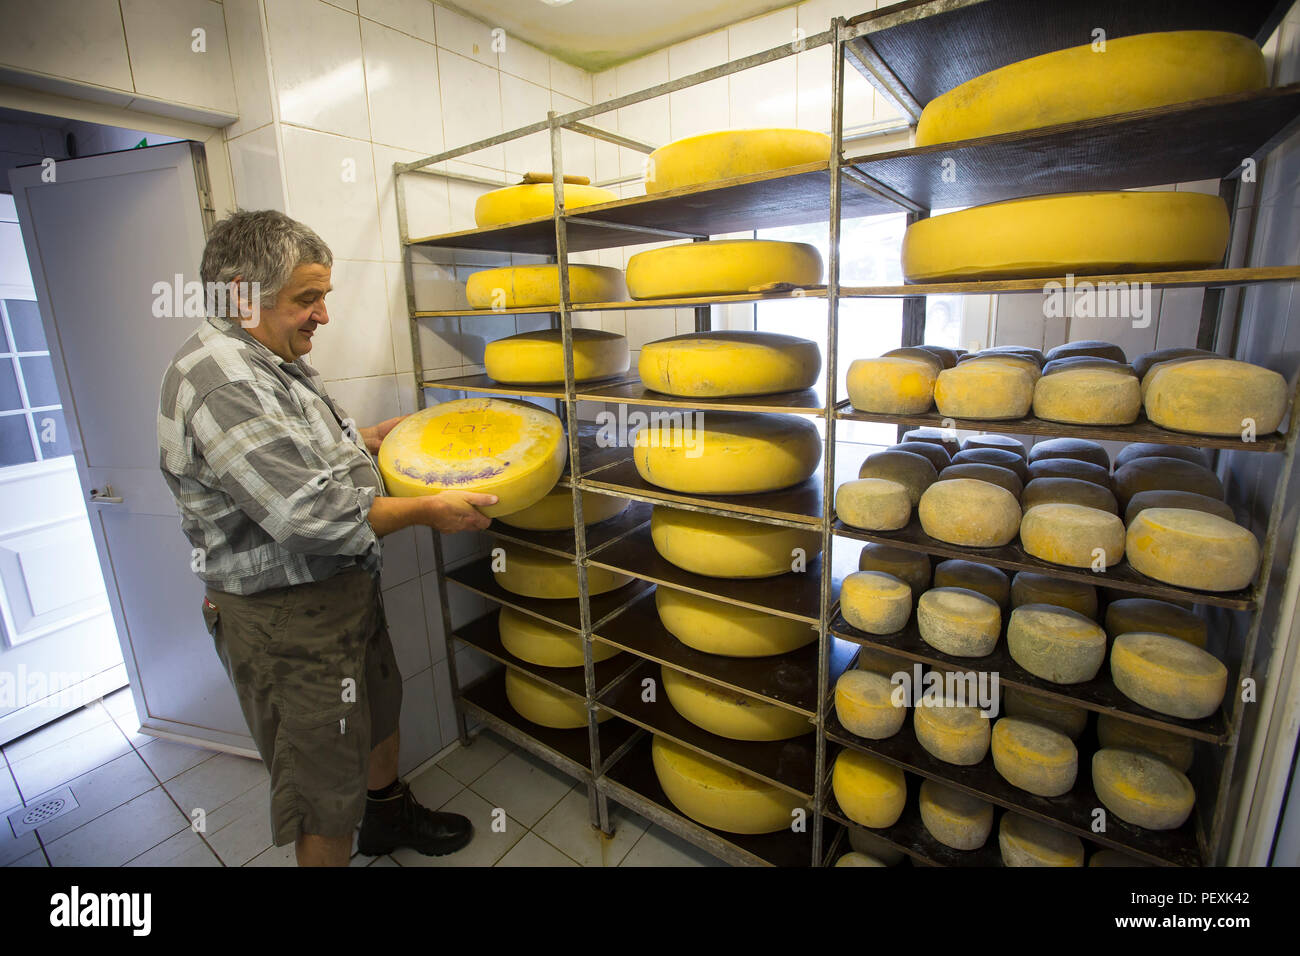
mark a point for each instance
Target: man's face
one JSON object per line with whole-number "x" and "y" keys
{"x": 287, "y": 328}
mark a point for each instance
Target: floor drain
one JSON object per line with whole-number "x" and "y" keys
{"x": 50, "y": 807}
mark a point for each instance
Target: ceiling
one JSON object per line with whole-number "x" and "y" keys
{"x": 598, "y": 34}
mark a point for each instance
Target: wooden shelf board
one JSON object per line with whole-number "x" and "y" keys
{"x": 481, "y": 383}
{"x": 561, "y": 543}
{"x": 626, "y": 305}
{"x": 806, "y": 402}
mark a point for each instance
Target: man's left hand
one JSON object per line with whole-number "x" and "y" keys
{"x": 375, "y": 434}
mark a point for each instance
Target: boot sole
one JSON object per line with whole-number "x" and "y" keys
{"x": 451, "y": 848}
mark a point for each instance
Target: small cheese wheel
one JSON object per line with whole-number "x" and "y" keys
{"x": 716, "y": 627}
{"x": 998, "y": 442}
{"x": 1148, "y": 360}
{"x": 1034, "y": 757}
{"x": 920, "y": 352}
{"x": 1068, "y": 491}
{"x": 1010, "y": 360}
{"x": 1025, "y": 350}
{"x": 1000, "y": 457}
{"x": 913, "y": 472}
{"x": 1087, "y": 347}
{"x": 1072, "y": 535}
{"x": 725, "y": 364}
{"x": 1027, "y": 842}
{"x": 936, "y": 454}
{"x": 1164, "y": 498}
{"x": 1030, "y": 587}
{"x": 546, "y": 645}
{"x": 1114, "y": 858}
{"x": 1070, "y": 468}
{"x": 1174, "y": 749}
{"x": 721, "y": 547}
{"x": 946, "y": 355}
{"x": 958, "y": 621}
{"x": 721, "y": 267}
{"x": 993, "y": 474}
{"x": 545, "y": 705}
{"x": 910, "y": 566}
{"x": 865, "y": 706}
{"x": 953, "y": 734}
{"x": 728, "y": 713}
{"x": 1084, "y": 395}
{"x": 873, "y": 845}
{"x": 1167, "y": 675}
{"x": 1055, "y": 643}
{"x": 1088, "y": 361}
{"x": 892, "y": 385}
{"x": 870, "y": 791}
{"x": 1060, "y": 715}
{"x": 728, "y": 454}
{"x": 1146, "y": 449}
{"x": 934, "y": 437}
{"x": 1216, "y": 396}
{"x": 858, "y": 859}
{"x": 532, "y": 201}
{"x": 718, "y": 796}
{"x": 954, "y": 817}
{"x": 536, "y": 574}
{"x": 969, "y": 512}
{"x": 875, "y": 504}
{"x": 984, "y": 390}
{"x": 1131, "y": 615}
{"x": 537, "y": 358}
{"x": 1141, "y": 789}
{"x": 525, "y": 287}
{"x": 708, "y": 157}
{"x": 1165, "y": 474}
{"x": 876, "y": 661}
{"x": 1192, "y": 549}
{"x": 992, "y": 582}
{"x": 554, "y": 512}
{"x": 875, "y": 602}
{"x": 507, "y": 448}
{"x": 1079, "y": 449}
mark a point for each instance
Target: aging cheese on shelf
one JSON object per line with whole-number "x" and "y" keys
{"x": 729, "y": 713}
{"x": 913, "y": 472}
{"x": 1085, "y": 395}
{"x": 728, "y": 454}
{"x": 935, "y": 453}
{"x": 853, "y": 858}
{"x": 1149, "y": 616}
{"x": 869, "y": 791}
{"x": 1141, "y": 789}
{"x": 533, "y": 200}
{"x": 727, "y": 364}
{"x": 1165, "y": 474}
{"x": 910, "y": 566}
{"x": 546, "y": 645}
{"x": 721, "y": 267}
{"x": 1188, "y": 500}
{"x": 953, "y": 734}
{"x": 934, "y": 437}
{"x": 708, "y": 157}
{"x": 1149, "y": 360}
{"x": 1019, "y": 360}
{"x": 969, "y": 512}
{"x": 1078, "y": 449}
{"x": 874, "y": 504}
{"x": 1034, "y": 757}
{"x": 523, "y": 287}
{"x": 716, "y": 627}
{"x": 875, "y": 602}
{"x": 554, "y": 512}
{"x": 992, "y": 582}
{"x": 1027, "y": 842}
{"x": 1001, "y": 457}
{"x": 1067, "y": 718}
{"x": 1146, "y": 449}
{"x": 537, "y": 358}
{"x": 954, "y": 817}
{"x": 536, "y": 574}
{"x": 993, "y": 474}
{"x": 543, "y": 704}
{"x": 1216, "y": 396}
{"x": 877, "y": 661}
{"x": 722, "y": 547}
{"x": 1055, "y": 643}
{"x": 892, "y": 385}
{"x": 1192, "y": 549}
{"x": 1176, "y": 750}
{"x": 998, "y": 442}
{"x": 711, "y": 793}
{"x": 1030, "y": 587}
{"x": 1088, "y": 347}
{"x": 868, "y": 843}
{"x": 924, "y": 353}
{"x": 1133, "y": 73}
{"x": 864, "y": 705}
{"x": 1072, "y": 535}
{"x": 958, "y": 621}
{"x": 1167, "y": 675}
{"x": 1108, "y": 232}
{"x": 984, "y": 389}
{"x": 1068, "y": 491}
{"x": 497, "y": 446}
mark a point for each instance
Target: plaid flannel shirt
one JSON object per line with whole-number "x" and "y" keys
{"x": 273, "y": 483}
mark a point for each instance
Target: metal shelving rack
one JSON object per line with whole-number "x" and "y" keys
{"x": 911, "y": 52}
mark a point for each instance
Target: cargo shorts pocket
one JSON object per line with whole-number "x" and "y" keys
{"x": 211, "y": 616}
{"x": 318, "y": 776}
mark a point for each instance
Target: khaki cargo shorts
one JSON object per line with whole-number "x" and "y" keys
{"x": 318, "y": 683}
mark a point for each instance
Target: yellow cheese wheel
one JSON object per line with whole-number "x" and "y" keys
{"x": 1174, "y": 749}
{"x": 546, "y": 645}
{"x": 524, "y": 287}
{"x": 1060, "y": 715}
{"x": 729, "y": 547}
{"x": 1027, "y": 842}
{"x": 711, "y": 793}
{"x": 864, "y": 705}
{"x": 545, "y": 705}
{"x": 728, "y": 154}
{"x": 953, "y": 734}
{"x": 1078, "y": 449}
{"x": 892, "y": 385}
{"x": 1055, "y": 643}
{"x": 536, "y": 574}
{"x": 554, "y": 512}
{"x": 1141, "y": 789}
{"x": 1034, "y": 757}
{"x": 870, "y": 791}
{"x": 1156, "y": 473}
{"x": 1130, "y": 615}
{"x": 497, "y": 446}
{"x": 729, "y": 713}
{"x": 715, "y": 627}
{"x": 1011, "y": 360}
{"x": 1192, "y": 549}
{"x": 1108, "y": 232}
{"x": 993, "y": 474}
{"x": 721, "y": 267}
{"x": 1072, "y": 535}
{"x": 1068, "y": 491}
{"x": 728, "y": 454}
{"x": 910, "y": 566}
{"x": 1167, "y": 675}
{"x": 959, "y": 622}
{"x": 954, "y": 817}
{"x": 992, "y": 582}
{"x": 1029, "y": 587}
{"x": 537, "y": 358}
{"x": 1169, "y": 498}
{"x": 875, "y": 602}
{"x": 532, "y": 201}
{"x": 1065, "y": 86}
{"x": 1089, "y": 396}
{"x": 969, "y": 512}
{"x": 723, "y": 364}
{"x": 1216, "y": 397}
{"x": 874, "y": 504}
{"x": 936, "y": 454}
{"x": 985, "y": 389}
{"x": 858, "y": 859}
{"x": 912, "y": 471}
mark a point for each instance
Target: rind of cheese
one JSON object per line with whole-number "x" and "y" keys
{"x": 1141, "y": 789}
{"x": 1072, "y": 535}
{"x": 1089, "y": 396}
{"x": 554, "y": 512}
{"x": 913, "y": 472}
{"x": 1030, "y": 587}
{"x": 721, "y": 267}
{"x": 532, "y": 201}
{"x": 1192, "y": 549}
{"x": 875, "y": 602}
{"x": 1000, "y": 457}
{"x": 934, "y": 437}
{"x": 969, "y": 512}
{"x": 536, "y": 574}
{"x": 729, "y": 454}
{"x": 1149, "y": 360}
{"x": 533, "y": 640}
{"x": 877, "y": 661}
{"x": 992, "y": 582}
{"x": 1147, "y": 449}
{"x": 1070, "y": 491}
{"x": 1055, "y": 643}
{"x": 874, "y": 504}
{"x": 1176, "y": 750}
{"x": 1216, "y": 397}
{"x": 892, "y": 385}
{"x": 1166, "y": 498}
{"x": 1075, "y": 468}
{"x": 1167, "y": 675}
{"x": 984, "y": 390}
{"x": 1087, "y": 347}
{"x": 728, "y": 364}
{"x": 870, "y": 791}
{"x": 953, "y": 734}
{"x": 1079, "y": 449}
{"x": 912, "y": 567}
{"x": 1164, "y": 474}
{"x": 853, "y": 858}
{"x": 864, "y": 705}
{"x": 1067, "y": 718}
{"x": 1131, "y": 615}
{"x": 526, "y": 287}
{"x": 1034, "y": 757}
{"x": 993, "y": 474}
{"x": 1027, "y": 842}
{"x": 722, "y": 547}
{"x": 716, "y": 627}
{"x": 545, "y": 705}
{"x": 537, "y": 358}
{"x": 714, "y": 794}
{"x": 709, "y": 157}
{"x": 954, "y": 817}
{"x": 729, "y": 713}
{"x": 935, "y": 453}
{"x": 959, "y": 622}
{"x": 999, "y": 442}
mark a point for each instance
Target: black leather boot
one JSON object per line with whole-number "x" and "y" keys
{"x": 399, "y": 820}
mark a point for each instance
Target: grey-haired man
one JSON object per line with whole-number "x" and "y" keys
{"x": 284, "y": 506}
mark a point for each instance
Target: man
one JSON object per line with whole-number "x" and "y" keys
{"x": 284, "y": 507}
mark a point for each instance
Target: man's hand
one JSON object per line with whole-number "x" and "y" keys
{"x": 374, "y": 435}
{"x": 452, "y": 511}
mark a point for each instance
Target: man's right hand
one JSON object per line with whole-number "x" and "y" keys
{"x": 452, "y": 511}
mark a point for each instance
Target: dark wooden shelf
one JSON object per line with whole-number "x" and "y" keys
{"x": 481, "y": 383}
{"x": 629, "y": 305}
{"x": 807, "y": 402}
{"x": 561, "y": 543}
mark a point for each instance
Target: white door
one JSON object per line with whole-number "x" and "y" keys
{"x": 101, "y": 233}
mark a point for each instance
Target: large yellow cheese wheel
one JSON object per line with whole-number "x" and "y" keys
{"x": 1029, "y": 587}
{"x": 912, "y": 471}
{"x": 543, "y": 704}
{"x": 1174, "y": 749}
{"x": 537, "y": 358}
{"x": 1156, "y": 473}
{"x": 554, "y": 512}
{"x": 864, "y": 704}
{"x": 523, "y": 287}
{"x": 1107, "y": 232}
{"x": 1215, "y": 397}
{"x": 536, "y": 574}
{"x": 874, "y": 504}
{"x": 1141, "y": 789}
{"x": 1069, "y": 491}
{"x": 912, "y": 567}
{"x": 1055, "y": 643}
{"x": 969, "y": 512}
{"x": 1084, "y": 395}
{"x": 984, "y": 389}
{"x": 954, "y": 817}
{"x": 729, "y": 454}
{"x": 533, "y": 200}
{"x": 546, "y": 645}
{"x": 729, "y": 713}
{"x": 1131, "y": 615}
{"x": 721, "y": 267}
{"x": 729, "y": 547}
{"x": 1034, "y": 757}
{"x": 870, "y": 791}
{"x": 711, "y": 793}
{"x": 1072, "y": 535}
{"x": 497, "y": 446}
{"x": 1192, "y": 549}
{"x": 959, "y": 622}
{"x": 1172, "y": 498}
{"x": 953, "y": 734}
{"x": 875, "y": 602}
{"x": 1167, "y": 675}
{"x": 708, "y": 157}
{"x": 892, "y": 385}
{"x": 1060, "y": 715}
{"x": 715, "y": 627}
{"x": 992, "y": 582}
{"x": 723, "y": 364}
{"x": 1027, "y": 842}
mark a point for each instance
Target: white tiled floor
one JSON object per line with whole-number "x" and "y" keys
{"x": 138, "y": 797}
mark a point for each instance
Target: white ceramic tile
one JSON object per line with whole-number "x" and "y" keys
{"x": 815, "y": 15}
{"x": 167, "y": 758}
{"x": 764, "y": 95}
{"x": 465, "y": 35}
{"x": 467, "y": 764}
{"x": 183, "y": 849}
{"x": 366, "y": 400}
{"x": 427, "y": 210}
{"x": 9, "y": 796}
{"x": 477, "y": 331}
{"x": 255, "y": 168}
{"x": 522, "y": 59}
{"x": 406, "y": 626}
{"x": 421, "y": 732}
{"x": 648, "y": 122}
{"x": 67, "y": 38}
{"x": 275, "y": 856}
{"x": 658, "y": 847}
{"x": 357, "y": 340}
{"x": 471, "y": 105}
{"x": 57, "y": 731}
{"x": 762, "y": 33}
{"x": 471, "y": 665}
{"x": 398, "y": 320}
{"x": 568, "y": 827}
{"x": 577, "y": 150}
{"x": 410, "y": 16}
{"x": 462, "y": 196}
{"x": 526, "y": 787}
{"x": 332, "y": 189}
{"x": 641, "y": 73}
{"x": 533, "y": 851}
{"x": 650, "y": 325}
{"x": 316, "y": 67}
{"x": 524, "y": 103}
{"x": 699, "y": 109}
{"x": 52, "y": 766}
{"x": 240, "y": 839}
{"x": 249, "y": 73}
{"x": 443, "y": 699}
{"x": 99, "y": 791}
{"x": 253, "y": 800}
{"x": 12, "y": 849}
{"x": 401, "y": 83}
{"x": 696, "y": 54}
{"x": 349, "y": 5}
{"x": 121, "y": 834}
{"x": 400, "y": 563}
{"x": 571, "y": 81}
{"x": 487, "y": 845}
{"x": 164, "y": 60}
{"x": 215, "y": 782}
{"x": 604, "y": 85}
{"x": 35, "y": 858}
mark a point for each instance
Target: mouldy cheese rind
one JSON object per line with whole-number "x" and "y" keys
{"x": 1027, "y": 842}
{"x": 953, "y": 734}
{"x": 959, "y": 622}
{"x": 1132, "y": 615}
{"x": 1192, "y": 549}
{"x": 1176, "y": 750}
{"x": 892, "y": 385}
{"x": 1142, "y": 789}
{"x": 864, "y": 705}
{"x": 1072, "y": 535}
{"x": 912, "y": 567}
{"x": 873, "y": 504}
{"x": 1034, "y": 757}
{"x": 728, "y": 364}
{"x": 875, "y": 602}
{"x": 953, "y": 817}
{"x": 984, "y": 390}
{"x": 914, "y": 472}
{"x": 1030, "y": 587}
{"x": 1167, "y": 675}
{"x": 1069, "y": 719}
{"x": 1078, "y": 449}
{"x": 1055, "y": 643}
{"x": 992, "y": 582}
{"x": 1216, "y": 396}
{"x": 969, "y": 512}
